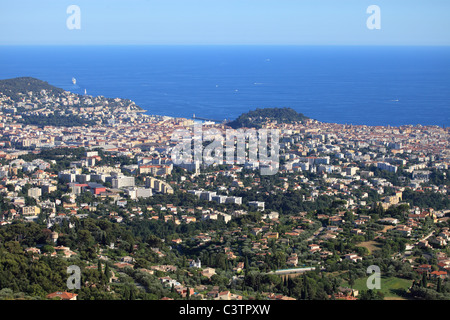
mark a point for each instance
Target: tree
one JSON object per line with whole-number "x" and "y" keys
{"x": 47, "y": 249}
{"x": 439, "y": 285}
{"x": 371, "y": 295}
{"x": 107, "y": 272}
{"x": 99, "y": 266}
{"x": 424, "y": 281}
{"x": 351, "y": 280}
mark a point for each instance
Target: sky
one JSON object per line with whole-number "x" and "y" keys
{"x": 224, "y": 22}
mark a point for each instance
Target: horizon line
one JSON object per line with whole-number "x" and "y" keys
{"x": 223, "y": 45}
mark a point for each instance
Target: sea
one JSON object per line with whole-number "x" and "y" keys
{"x": 359, "y": 85}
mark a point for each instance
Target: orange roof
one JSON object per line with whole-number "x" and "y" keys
{"x": 439, "y": 273}
{"x": 62, "y": 294}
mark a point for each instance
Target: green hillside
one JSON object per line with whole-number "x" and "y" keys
{"x": 258, "y": 117}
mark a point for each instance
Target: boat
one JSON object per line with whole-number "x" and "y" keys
{"x": 74, "y": 81}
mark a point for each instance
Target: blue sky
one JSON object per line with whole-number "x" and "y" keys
{"x": 210, "y": 22}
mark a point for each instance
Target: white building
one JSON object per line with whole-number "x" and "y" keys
{"x": 258, "y": 205}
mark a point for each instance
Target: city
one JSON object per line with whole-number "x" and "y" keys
{"x": 96, "y": 187}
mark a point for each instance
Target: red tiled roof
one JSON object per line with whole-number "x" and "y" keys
{"x": 439, "y": 273}
{"x": 62, "y": 294}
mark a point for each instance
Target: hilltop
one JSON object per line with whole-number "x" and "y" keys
{"x": 35, "y": 102}
{"x": 257, "y": 118}
{"x": 16, "y": 88}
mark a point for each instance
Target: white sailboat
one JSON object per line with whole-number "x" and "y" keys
{"x": 74, "y": 81}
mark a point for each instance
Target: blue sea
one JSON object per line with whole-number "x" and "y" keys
{"x": 341, "y": 84}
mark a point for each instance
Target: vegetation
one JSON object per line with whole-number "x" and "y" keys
{"x": 17, "y": 88}
{"x": 256, "y": 118}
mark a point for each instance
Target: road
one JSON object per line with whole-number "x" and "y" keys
{"x": 292, "y": 270}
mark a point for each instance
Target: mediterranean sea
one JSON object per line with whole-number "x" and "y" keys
{"x": 361, "y": 85}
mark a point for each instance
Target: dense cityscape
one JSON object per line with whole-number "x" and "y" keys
{"x": 89, "y": 181}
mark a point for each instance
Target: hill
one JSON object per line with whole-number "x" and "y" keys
{"x": 17, "y": 87}
{"x": 257, "y": 118}
{"x": 35, "y": 102}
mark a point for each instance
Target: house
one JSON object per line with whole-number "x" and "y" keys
{"x": 292, "y": 260}
{"x": 65, "y": 251}
{"x": 33, "y": 250}
{"x": 272, "y": 216}
{"x": 62, "y": 295}
{"x": 353, "y": 257}
{"x": 169, "y": 282}
{"x": 314, "y": 248}
{"x": 348, "y": 291}
{"x": 208, "y": 272}
{"x": 335, "y": 221}
{"x": 183, "y": 291}
{"x": 424, "y": 244}
{"x": 195, "y": 264}
{"x": 439, "y": 274}
{"x": 227, "y": 295}
{"x": 122, "y": 265}
{"x": 440, "y": 241}
{"x": 389, "y": 221}
{"x": 273, "y": 296}
{"x": 239, "y": 267}
{"x": 146, "y": 271}
{"x": 357, "y": 231}
{"x": 341, "y": 296}
{"x": 127, "y": 259}
{"x": 424, "y": 268}
{"x": 404, "y": 230}
{"x": 272, "y": 235}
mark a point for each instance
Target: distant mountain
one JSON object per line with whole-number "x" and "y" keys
{"x": 17, "y": 87}
{"x": 257, "y": 118}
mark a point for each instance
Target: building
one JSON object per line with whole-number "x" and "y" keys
{"x": 273, "y": 215}
{"x": 31, "y": 211}
{"x": 258, "y": 205}
{"x": 34, "y": 192}
{"x": 353, "y": 257}
{"x": 48, "y": 188}
{"x": 351, "y": 171}
{"x": 208, "y": 272}
{"x": 387, "y": 167}
{"x": 135, "y": 193}
{"x": 195, "y": 264}
{"x": 122, "y": 182}
{"x": 158, "y": 185}
{"x": 96, "y": 188}
{"x": 156, "y": 170}
{"x": 235, "y": 200}
{"x": 219, "y": 199}
{"x": 207, "y": 195}
{"x": 62, "y": 295}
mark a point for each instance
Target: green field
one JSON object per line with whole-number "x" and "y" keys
{"x": 391, "y": 287}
